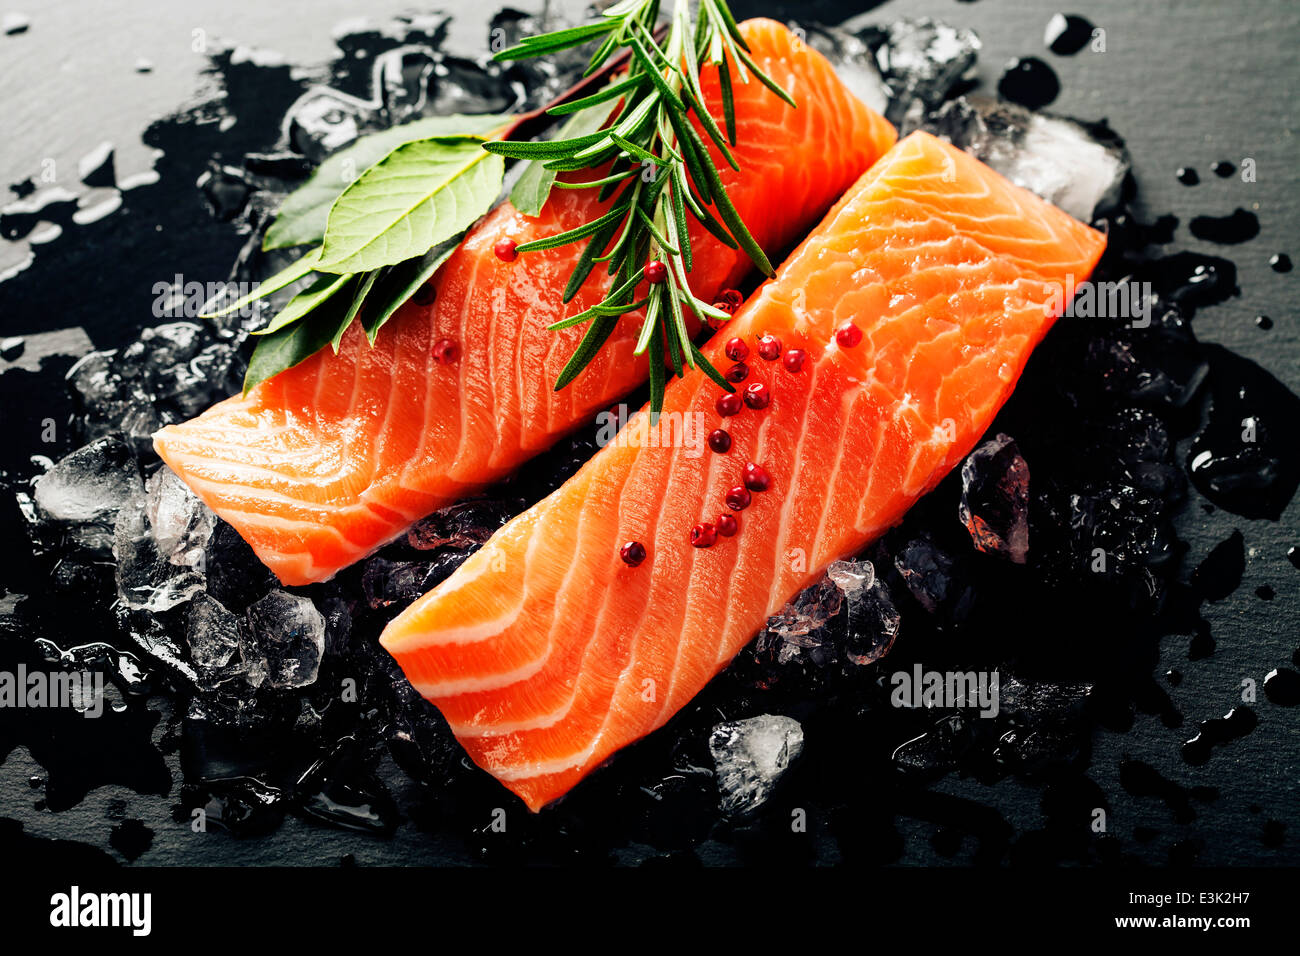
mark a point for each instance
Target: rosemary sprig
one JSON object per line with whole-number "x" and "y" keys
{"x": 647, "y": 154}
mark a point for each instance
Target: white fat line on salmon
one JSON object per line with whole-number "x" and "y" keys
{"x": 76, "y": 909}
{"x": 948, "y": 689}
{"x": 82, "y": 691}
{"x": 666, "y": 430}
{"x": 1126, "y": 300}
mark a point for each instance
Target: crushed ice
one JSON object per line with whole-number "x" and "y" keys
{"x": 750, "y": 756}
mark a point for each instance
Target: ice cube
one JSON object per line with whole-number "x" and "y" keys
{"x": 226, "y": 189}
{"x": 236, "y": 577}
{"x": 323, "y": 121}
{"x": 750, "y": 757}
{"x": 152, "y": 636}
{"x": 212, "y": 633}
{"x": 82, "y": 494}
{"x": 873, "y": 621}
{"x": 472, "y": 86}
{"x": 181, "y": 524}
{"x": 935, "y": 752}
{"x": 1077, "y": 166}
{"x": 853, "y": 59}
{"x": 286, "y": 636}
{"x": 403, "y": 78}
{"x": 922, "y": 61}
{"x": 1162, "y": 365}
{"x": 994, "y": 503}
{"x": 147, "y": 580}
{"x": 800, "y": 629}
{"x": 465, "y": 524}
{"x": 934, "y": 579}
{"x": 169, "y": 373}
{"x": 92, "y": 377}
{"x": 391, "y": 582}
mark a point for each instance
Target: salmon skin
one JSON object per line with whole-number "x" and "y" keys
{"x": 331, "y": 459}
{"x": 547, "y": 653}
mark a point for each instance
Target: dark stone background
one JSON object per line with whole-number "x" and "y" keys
{"x": 1186, "y": 83}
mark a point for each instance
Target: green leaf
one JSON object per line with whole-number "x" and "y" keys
{"x": 729, "y": 215}
{"x": 564, "y": 238}
{"x": 297, "y": 341}
{"x": 766, "y": 80}
{"x": 358, "y": 298}
{"x": 419, "y": 195}
{"x": 534, "y": 186}
{"x": 302, "y": 217}
{"x": 290, "y": 274}
{"x": 595, "y": 337}
{"x": 403, "y": 280}
{"x": 545, "y": 149}
{"x": 587, "y": 261}
{"x": 707, "y": 367}
{"x": 612, "y": 91}
{"x": 657, "y": 372}
{"x": 728, "y": 100}
{"x": 325, "y": 287}
{"x": 552, "y": 42}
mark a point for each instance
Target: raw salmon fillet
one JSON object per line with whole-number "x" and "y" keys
{"x": 333, "y": 458}
{"x": 547, "y": 653}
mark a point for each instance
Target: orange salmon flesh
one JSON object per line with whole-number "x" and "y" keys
{"x": 331, "y": 459}
{"x": 547, "y": 653}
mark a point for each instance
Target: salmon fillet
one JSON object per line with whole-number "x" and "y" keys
{"x": 331, "y": 459}
{"x": 546, "y": 652}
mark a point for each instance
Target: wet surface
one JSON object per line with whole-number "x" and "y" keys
{"x": 1109, "y": 421}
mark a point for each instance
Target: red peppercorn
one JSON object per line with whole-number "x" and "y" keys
{"x": 756, "y": 477}
{"x": 769, "y": 348}
{"x": 728, "y": 404}
{"x": 793, "y": 359}
{"x": 736, "y": 349}
{"x": 720, "y": 440}
{"x": 632, "y": 553}
{"x": 731, "y": 299}
{"x": 727, "y": 525}
{"x": 737, "y": 373}
{"x": 425, "y": 294}
{"x": 656, "y": 271}
{"x": 445, "y": 352}
{"x": 703, "y": 535}
{"x": 505, "y": 250}
{"x": 738, "y": 498}
{"x": 757, "y": 396}
{"x": 848, "y": 335}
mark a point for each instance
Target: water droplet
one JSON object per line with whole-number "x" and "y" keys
{"x": 1030, "y": 82}
{"x": 1067, "y": 34}
{"x": 1237, "y": 226}
{"x": 1282, "y": 687}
